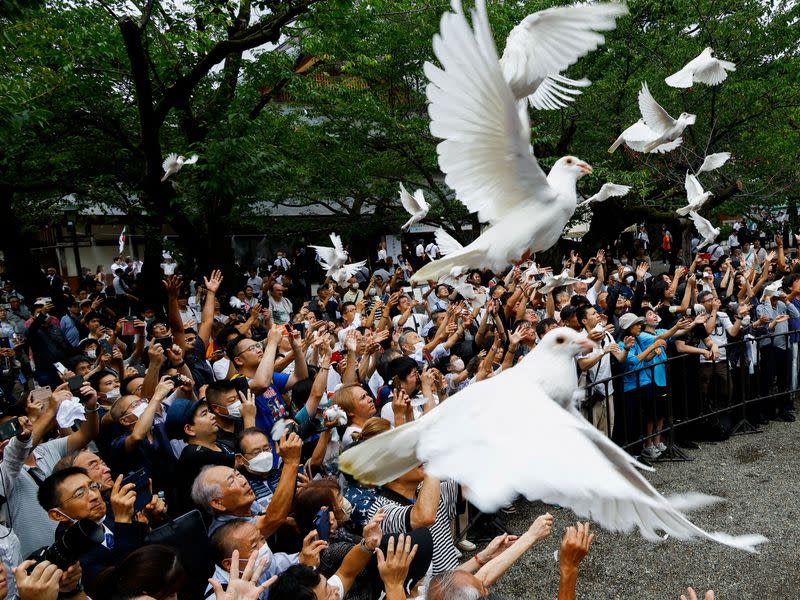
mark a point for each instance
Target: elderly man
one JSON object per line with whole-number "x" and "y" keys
{"x": 242, "y": 536}
{"x": 280, "y": 307}
{"x": 225, "y": 494}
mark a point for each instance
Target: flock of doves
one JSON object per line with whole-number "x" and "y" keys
{"x": 519, "y": 432}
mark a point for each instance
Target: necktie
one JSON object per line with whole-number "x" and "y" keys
{"x": 109, "y": 540}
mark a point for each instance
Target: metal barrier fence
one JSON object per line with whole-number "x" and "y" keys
{"x": 754, "y": 379}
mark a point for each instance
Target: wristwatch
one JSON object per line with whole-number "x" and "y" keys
{"x": 365, "y": 548}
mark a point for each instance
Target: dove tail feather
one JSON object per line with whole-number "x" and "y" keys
{"x": 439, "y": 268}
{"x": 684, "y": 211}
{"x": 385, "y": 457}
{"x": 615, "y": 145}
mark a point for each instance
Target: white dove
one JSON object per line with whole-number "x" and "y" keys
{"x": 545, "y": 43}
{"x": 714, "y": 161}
{"x": 551, "y": 282}
{"x": 638, "y": 135}
{"x": 694, "y": 195}
{"x": 704, "y": 68}
{"x": 333, "y": 261}
{"x": 607, "y": 191}
{"x": 658, "y": 119}
{"x": 415, "y": 206}
{"x": 485, "y": 153}
{"x": 704, "y": 227}
{"x": 174, "y": 163}
{"x": 551, "y": 454}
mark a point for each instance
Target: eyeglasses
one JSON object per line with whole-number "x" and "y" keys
{"x": 257, "y": 451}
{"x": 250, "y": 349}
{"x": 81, "y": 492}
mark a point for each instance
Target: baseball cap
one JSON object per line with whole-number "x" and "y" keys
{"x": 180, "y": 413}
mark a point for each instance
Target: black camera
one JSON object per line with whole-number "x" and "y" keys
{"x": 74, "y": 543}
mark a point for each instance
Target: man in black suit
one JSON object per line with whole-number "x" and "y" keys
{"x": 70, "y": 495}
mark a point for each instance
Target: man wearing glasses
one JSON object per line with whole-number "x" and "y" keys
{"x": 70, "y": 495}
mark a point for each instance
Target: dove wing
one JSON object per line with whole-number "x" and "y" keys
{"x": 191, "y": 160}
{"x": 446, "y": 242}
{"x": 419, "y": 196}
{"x": 485, "y": 153}
{"x": 574, "y": 466}
{"x": 547, "y": 42}
{"x": 654, "y": 115}
{"x": 607, "y": 191}
{"x": 409, "y": 202}
{"x": 714, "y": 71}
{"x": 337, "y": 242}
{"x": 693, "y": 187}
{"x": 714, "y": 161}
{"x": 351, "y": 268}
{"x": 704, "y": 227}
{"x": 326, "y": 255}
{"x": 170, "y": 163}
{"x": 556, "y": 92}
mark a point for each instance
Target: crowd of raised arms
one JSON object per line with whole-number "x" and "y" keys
{"x": 188, "y": 448}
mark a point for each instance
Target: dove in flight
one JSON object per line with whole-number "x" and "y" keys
{"x": 485, "y": 152}
{"x": 415, "y": 206}
{"x": 607, "y": 191}
{"x": 551, "y": 454}
{"x": 638, "y": 135}
{"x": 455, "y": 279}
{"x": 334, "y": 260}
{"x": 545, "y": 43}
{"x": 694, "y": 195}
{"x": 174, "y": 163}
{"x": 659, "y": 120}
{"x": 714, "y": 161}
{"x": 704, "y": 68}
{"x": 656, "y": 131}
{"x": 707, "y": 231}
{"x": 551, "y": 282}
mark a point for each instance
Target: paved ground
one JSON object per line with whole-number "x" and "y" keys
{"x": 758, "y": 474}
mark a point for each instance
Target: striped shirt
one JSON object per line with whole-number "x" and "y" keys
{"x": 398, "y": 520}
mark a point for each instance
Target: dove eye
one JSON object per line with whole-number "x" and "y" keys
{"x": 569, "y": 161}
{"x": 559, "y": 340}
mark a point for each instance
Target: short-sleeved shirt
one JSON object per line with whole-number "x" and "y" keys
{"x": 271, "y": 408}
{"x": 646, "y": 340}
{"x": 397, "y": 520}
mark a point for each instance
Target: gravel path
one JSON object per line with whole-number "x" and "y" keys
{"x": 759, "y": 476}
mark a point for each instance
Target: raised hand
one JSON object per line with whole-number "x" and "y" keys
{"x": 212, "y": 284}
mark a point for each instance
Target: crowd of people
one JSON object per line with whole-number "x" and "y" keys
{"x": 189, "y": 449}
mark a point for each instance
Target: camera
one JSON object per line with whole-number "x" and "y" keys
{"x": 67, "y": 549}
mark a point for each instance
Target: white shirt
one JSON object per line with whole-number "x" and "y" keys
{"x": 420, "y": 250}
{"x": 432, "y": 250}
{"x": 382, "y": 254}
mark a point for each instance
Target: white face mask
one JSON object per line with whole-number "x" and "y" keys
{"x": 139, "y": 410}
{"x": 373, "y": 292}
{"x": 419, "y": 346}
{"x": 91, "y": 354}
{"x": 457, "y": 365}
{"x": 113, "y": 394}
{"x": 235, "y": 410}
{"x": 260, "y": 463}
{"x": 347, "y": 508}
{"x": 354, "y": 285}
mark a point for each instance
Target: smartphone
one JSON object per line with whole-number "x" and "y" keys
{"x": 75, "y": 384}
{"x": 11, "y": 428}
{"x": 177, "y": 380}
{"x": 41, "y": 393}
{"x": 128, "y": 327}
{"x": 165, "y": 341}
{"x": 142, "y": 482}
{"x": 322, "y": 523}
{"x": 105, "y": 346}
{"x": 242, "y": 385}
{"x": 60, "y": 368}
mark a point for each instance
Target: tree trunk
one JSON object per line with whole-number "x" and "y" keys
{"x": 21, "y": 266}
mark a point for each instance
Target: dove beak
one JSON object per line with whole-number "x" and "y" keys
{"x": 586, "y": 169}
